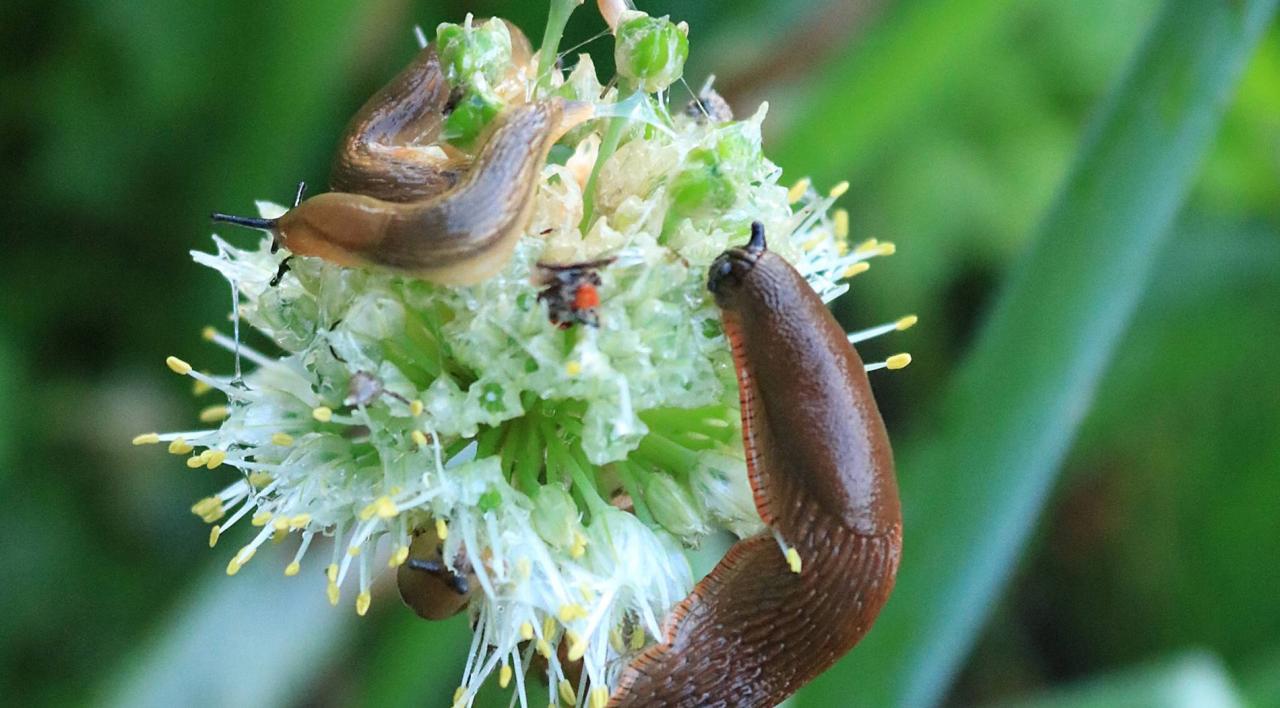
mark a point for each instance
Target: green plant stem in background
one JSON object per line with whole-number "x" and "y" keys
{"x": 557, "y": 18}
{"x": 972, "y": 494}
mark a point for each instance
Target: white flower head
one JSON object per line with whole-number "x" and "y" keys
{"x": 568, "y": 467}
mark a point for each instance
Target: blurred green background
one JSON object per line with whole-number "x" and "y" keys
{"x": 1151, "y": 567}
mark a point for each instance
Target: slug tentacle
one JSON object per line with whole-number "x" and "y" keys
{"x": 762, "y": 624}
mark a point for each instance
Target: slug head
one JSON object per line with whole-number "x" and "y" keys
{"x": 728, "y": 273}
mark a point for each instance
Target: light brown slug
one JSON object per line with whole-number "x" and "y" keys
{"x": 754, "y": 631}
{"x": 427, "y": 585}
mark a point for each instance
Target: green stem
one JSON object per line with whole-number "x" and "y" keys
{"x": 557, "y": 18}
{"x": 629, "y": 474}
{"x": 583, "y": 482}
{"x": 667, "y": 453}
{"x": 612, "y": 136}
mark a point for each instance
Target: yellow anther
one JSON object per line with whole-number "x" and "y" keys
{"x": 544, "y": 648}
{"x": 886, "y": 249}
{"x": 332, "y": 572}
{"x": 415, "y": 408}
{"x": 387, "y": 509}
{"x": 579, "y": 546}
{"x": 240, "y": 559}
{"x": 300, "y": 521}
{"x": 813, "y": 243}
{"x": 280, "y": 523}
{"x": 866, "y": 246}
{"x": 442, "y": 529}
{"x": 839, "y": 190}
{"x": 292, "y": 569}
{"x": 615, "y": 640}
{"x": 281, "y": 439}
{"x": 261, "y": 518}
{"x": 213, "y": 414}
{"x": 566, "y": 693}
{"x": 599, "y": 697}
{"x": 279, "y": 535}
{"x": 209, "y": 509}
{"x": 898, "y": 361}
{"x": 353, "y": 551}
{"x": 842, "y": 247}
{"x": 459, "y": 696}
{"x": 209, "y": 333}
{"x": 572, "y": 611}
{"x": 259, "y": 479}
{"x": 177, "y": 365}
{"x": 322, "y": 414}
{"x": 368, "y": 511}
{"x": 840, "y": 223}
{"x": 214, "y": 459}
{"x": 577, "y": 649}
{"x": 214, "y": 533}
{"x": 146, "y": 439}
{"x": 797, "y": 190}
{"x": 906, "y": 322}
{"x": 793, "y": 560}
{"x": 856, "y": 269}
{"x": 200, "y": 387}
{"x": 548, "y": 626}
{"x": 573, "y": 368}
{"x": 419, "y": 438}
{"x": 179, "y": 447}
{"x": 399, "y": 557}
{"x": 504, "y": 676}
{"x": 333, "y": 593}
{"x": 362, "y": 602}
{"x": 637, "y": 640}
{"x": 196, "y": 461}
{"x": 526, "y": 631}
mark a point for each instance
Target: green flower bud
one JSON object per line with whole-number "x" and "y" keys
{"x": 467, "y": 51}
{"x": 702, "y": 186}
{"x": 478, "y": 107}
{"x": 721, "y": 482}
{"x": 555, "y": 516}
{"x": 673, "y": 508}
{"x": 650, "y": 51}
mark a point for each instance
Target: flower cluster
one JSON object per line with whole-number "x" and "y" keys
{"x": 571, "y": 466}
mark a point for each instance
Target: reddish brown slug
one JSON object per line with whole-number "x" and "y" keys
{"x": 753, "y": 631}
{"x": 460, "y": 236}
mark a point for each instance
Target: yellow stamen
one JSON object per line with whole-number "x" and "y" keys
{"x": 793, "y": 560}
{"x": 906, "y": 322}
{"x": 146, "y": 439}
{"x": 209, "y": 333}
{"x": 579, "y": 546}
{"x": 577, "y": 649}
{"x": 458, "y": 696}
{"x": 300, "y": 521}
{"x": 179, "y": 447}
{"x": 259, "y": 479}
{"x": 548, "y": 626}
{"x": 215, "y": 459}
{"x": 213, "y": 414}
{"x": 240, "y": 559}
{"x": 209, "y": 509}
{"x": 415, "y": 408}
{"x": 544, "y": 648}
{"x": 332, "y": 572}
{"x": 797, "y": 190}
{"x": 322, "y": 414}
{"x": 566, "y": 693}
{"x": 399, "y": 557}
{"x": 504, "y": 676}
{"x": 898, "y": 361}
{"x": 573, "y": 368}
{"x": 200, "y": 388}
{"x": 261, "y": 518}
{"x": 281, "y": 439}
{"x": 214, "y": 533}
{"x": 292, "y": 569}
{"x": 572, "y": 611}
{"x": 279, "y": 535}
{"x": 886, "y": 249}
{"x": 333, "y": 593}
{"x": 840, "y": 223}
{"x": 868, "y": 245}
{"x": 856, "y": 269}
{"x": 362, "y": 602}
{"x": 419, "y": 438}
{"x": 599, "y": 697}
{"x": 442, "y": 529}
{"x": 839, "y": 190}
{"x": 526, "y": 631}
{"x": 280, "y": 523}
{"x": 353, "y": 551}
{"x": 615, "y": 640}
{"x": 177, "y": 365}
{"x": 197, "y": 460}
{"x": 387, "y": 508}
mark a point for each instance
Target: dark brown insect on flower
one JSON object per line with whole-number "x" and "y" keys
{"x": 709, "y": 106}
{"x": 571, "y": 292}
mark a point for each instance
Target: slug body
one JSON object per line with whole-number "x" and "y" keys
{"x": 460, "y": 236}
{"x": 753, "y": 631}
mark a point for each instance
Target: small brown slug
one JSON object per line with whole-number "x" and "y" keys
{"x": 427, "y": 586}
{"x": 762, "y": 624}
{"x": 458, "y": 237}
